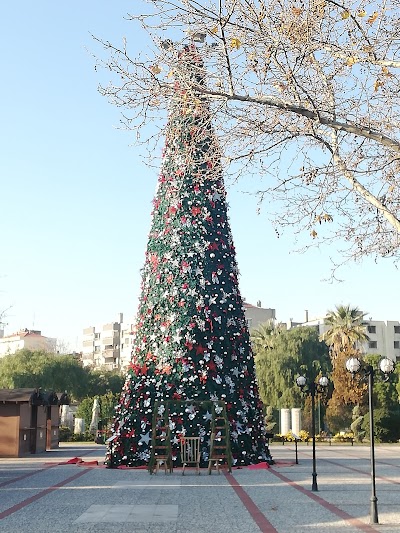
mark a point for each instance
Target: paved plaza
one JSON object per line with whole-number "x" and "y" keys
{"x": 45, "y": 494}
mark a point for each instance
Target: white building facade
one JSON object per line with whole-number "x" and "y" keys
{"x": 384, "y": 336}
{"x": 108, "y": 345}
{"x": 256, "y": 315}
{"x": 26, "y": 339}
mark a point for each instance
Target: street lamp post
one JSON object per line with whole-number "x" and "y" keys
{"x": 355, "y": 366}
{"x": 312, "y": 389}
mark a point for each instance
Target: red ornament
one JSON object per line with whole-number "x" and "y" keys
{"x": 200, "y": 349}
{"x": 212, "y": 366}
{"x": 195, "y": 210}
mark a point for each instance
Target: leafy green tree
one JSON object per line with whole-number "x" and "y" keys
{"x": 107, "y": 404}
{"x": 386, "y": 424}
{"x": 43, "y": 370}
{"x": 386, "y": 403}
{"x": 385, "y": 400}
{"x": 84, "y": 410}
{"x": 100, "y": 382}
{"x": 60, "y": 373}
{"x": 386, "y": 390}
{"x": 293, "y": 352}
{"x": 338, "y": 417}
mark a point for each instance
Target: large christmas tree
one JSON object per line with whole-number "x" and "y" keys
{"x": 192, "y": 340}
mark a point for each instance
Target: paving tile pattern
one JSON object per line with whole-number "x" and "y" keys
{"x": 114, "y": 501}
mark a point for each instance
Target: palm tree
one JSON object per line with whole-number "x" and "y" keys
{"x": 346, "y": 328}
{"x": 262, "y": 337}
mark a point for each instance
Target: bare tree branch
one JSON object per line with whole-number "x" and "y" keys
{"x": 304, "y": 96}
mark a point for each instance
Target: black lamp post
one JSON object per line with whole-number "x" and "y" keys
{"x": 312, "y": 389}
{"x": 355, "y": 366}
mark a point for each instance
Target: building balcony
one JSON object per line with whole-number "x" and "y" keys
{"x": 110, "y": 354}
{"x": 88, "y": 343}
{"x": 114, "y": 326}
{"x": 110, "y": 340}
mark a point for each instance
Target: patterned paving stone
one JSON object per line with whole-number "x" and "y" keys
{"x": 129, "y": 513}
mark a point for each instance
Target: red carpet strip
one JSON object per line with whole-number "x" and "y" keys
{"x": 355, "y": 522}
{"x": 39, "y": 495}
{"x": 29, "y": 474}
{"x": 255, "y": 513}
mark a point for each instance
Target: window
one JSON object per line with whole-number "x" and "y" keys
{"x": 371, "y": 329}
{"x": 397, "y": 329}
{"x": 97, "y": 348}
{"x": 97, "y": 335}
{"x": 396, "y": 345}
{"x": 373, "y": 344}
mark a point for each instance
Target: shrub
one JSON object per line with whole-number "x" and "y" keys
{"x": 304, "y": 435}
{"x": 343, "y": 437}
{"x": 65, "y": 434}
{"x": 290, "y": 437}
{"x": 386, "y": 425}
{"x": 81, "y": 437}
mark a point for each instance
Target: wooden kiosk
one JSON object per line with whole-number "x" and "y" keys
{"x": 29, "y": 420}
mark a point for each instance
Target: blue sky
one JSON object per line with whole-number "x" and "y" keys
{"x": 75, "y": 198}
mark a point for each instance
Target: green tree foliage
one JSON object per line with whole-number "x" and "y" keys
{"x": 44, "y": 370}
{"x": 386, "y": 424}
{"x": 269, "y": 420}
{"x": 107, "y": 404}
{"x": 356, "y": 424}
{"x": 338, "y": 417}
{"x": 56, "y": 372}
{"x": 386, "y": 390}
{"x": 85, "y": 410}
{"x": 386, "y": 403}
{"x": 293, "y": 352}
{"x": 385, "y": 400}
{"x": 101, "y": 382}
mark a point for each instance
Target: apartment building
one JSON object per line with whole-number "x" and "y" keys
{"x": 26, "y": 339}
{"x": 256, "y": 315}
{"x": 108, "y": 345}
{"x": 384, "y": 336}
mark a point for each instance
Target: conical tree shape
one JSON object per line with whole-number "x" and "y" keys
{"x": 192, "y": 340}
